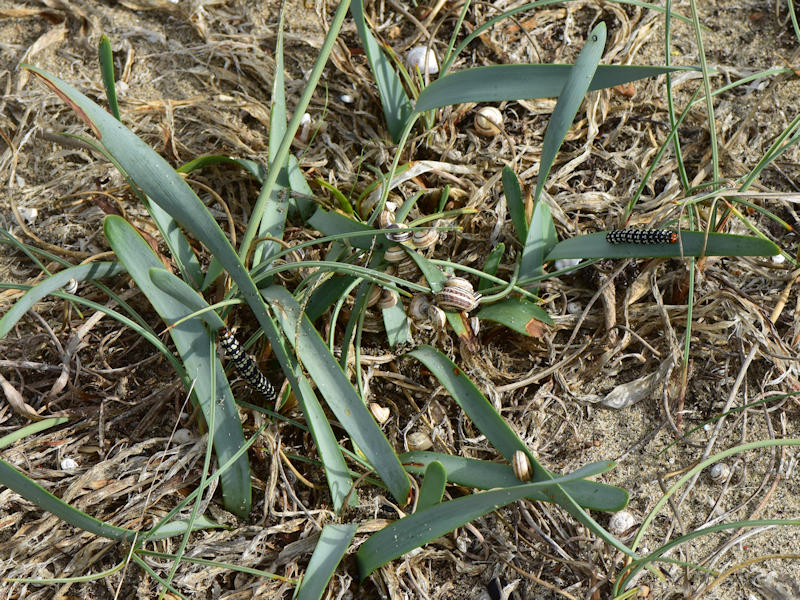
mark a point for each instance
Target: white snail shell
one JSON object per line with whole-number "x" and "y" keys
{"x": 425, "y": 239}
{"x": 488, "y": 121}
{"x": 381, "y": 413}
{"x": 475, "y": 325}
{"x": 386, "y": 219}
{"x": 418, "y": 307}
{"x": 387, "y": 299}
{"x": 621, "y": 523}
{"x": 719, "y": 472}
{"x": 419, "y": 57}
{"x": 395, "y": 254}
{"x": 521, "y": 465}
{"x": 305, "y": 128}
{"x": 417, "y": 440}
{"x": 436, "y": 317}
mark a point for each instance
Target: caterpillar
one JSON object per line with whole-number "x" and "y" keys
{"x": 641, "y": 236}
{"x": 245, "y": 366}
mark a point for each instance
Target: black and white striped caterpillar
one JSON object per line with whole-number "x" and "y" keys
{"x": 641, "y": 236}
{"x": 245, "y": 366}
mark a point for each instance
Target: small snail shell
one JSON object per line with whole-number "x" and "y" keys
{"x": 425, "y": 239}
{"x": 394, "y": 254}
{"x": 475, "y": 325}
{"x": 417, "y": 440}
{"x": 381, "y": 413}
{"x": 621, "y": 523}
{"x": 488, "y": 121}
{"x": 71, "y": 286}
{"x": 399, "y": 233}
{"x": 408, "y": 269}
{"x": 437, "y": 317}
{"x": 304, "y": 132}
{"x": 387, "y": 300}
{"x": 386, "y": 219}
{"x": 522, "y": 466}
{"x": 418, "y": 307}
{"x": 459, "y": 282}
{"x": 719, "y": 472}
{"x": 374, "y": 296}
{"x": 419, "y": 57}
{"x": 457, "y": 298}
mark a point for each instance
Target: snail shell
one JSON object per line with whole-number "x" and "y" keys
{"x": 420, "y": 57}
{"x": 408, "y": 269}
{"x": 386, "y": 219}
{"x": 399, "y": 234}
{"x": 418, "y": 307}
{"x": 374, "y": 296}
{"x": 395, "y": 254}
{"x": 456, "y": 298}
{"x": 436, "y": 317}
{"x": 418, "y": 440}
{"x": 522, "y": 466}
{"x": 381, "y": 413}
{"x": 488, "y": 121}
{"x": 425, "y": 239}
{"x": 621, "y": 523}
{"x": 387, "y": 299}
{"x": 719, "y": 472}
{"x": 475, "y": 325}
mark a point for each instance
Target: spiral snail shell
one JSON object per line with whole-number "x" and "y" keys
{"x": 386, "y": 219}
{"x": 719, "y": 472}
{"x": 488, "y": 121}
{"x": 418, "y": 308}
{"x": 408, "y": 269}
{"x": 395, "y": 254}
{"x": 374, "y": 296}
{"x": 398, "y": 234}
{"x": 436, "y": 316}
{"x": 521, "y": 465}
{"x": 387, "y": 299}
{"x": 425, "y": 239}
{"x": 457, "y": 295}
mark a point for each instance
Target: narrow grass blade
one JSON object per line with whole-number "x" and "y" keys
{"x": 394, "y": 101}
{"x": 432, "y": 488}
{"x": 54, "y": 283}
{"x": 192, "y": 342}
{"x": 181, "y": 526}
{"x": 332, "y": 544}
{"x": 257, "y": 170}
{"x": 515, "y": 202}
{"x": 23, "y": 432}
{"x": 491, "y": 265}
{"x": 106, "y": 58}
{"x": 484, "y": 475}
{"x": 337, "y": 391}
{"x": 515, "y": 313}
{"x": 519, "y": 82}
{"x": 14, "y": 480}
{"x": 569, "y": 100}
{"x": 426, "y": 525}
{"x": 691, "y": 243}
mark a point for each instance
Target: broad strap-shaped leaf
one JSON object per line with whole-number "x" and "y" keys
{"x": 515, "y": 203}
{"x": 432, "y": 488}
{"x": 541, "y": 240}
{"x": 690, "y": 243}
{"x": 337, "y": 391}
{"x": 191, "y": 341}
{"x": 333, "y": 543}
{"x": 522, "y": 316}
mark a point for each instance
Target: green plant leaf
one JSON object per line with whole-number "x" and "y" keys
{"x": 540, "y": 241}
{"x": 515, "y": 313}
{"x": 691, "y": 243}
{"x": 192, "y": 343}
{"x": 520, "y": 82}
{"x": 432, "y": 488}
{"x": 396, "y": 323}
{"x": 515, "y": 202}
{"x": 481, "y": 474}
{"x": 569, "y": 100}
{"x": 23, "y": 432}
{"x": 339, "y": 394}
{"x": 491, "y": 265}
{"x": 106, "y": 58}
{"x": 394, "y": 101}
{"x": 332, "y": 544}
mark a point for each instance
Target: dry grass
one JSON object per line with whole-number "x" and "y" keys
{"x": 198, "y": 81}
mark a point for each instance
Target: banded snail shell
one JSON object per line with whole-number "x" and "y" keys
{"x": 521, "y": 465}
{"x": 374, "y": 296}
{"x": 457, "y": 299}
{"x": 458, "y": 282}
{"x": 719, "y": 472}
{"x": 488, "y": 121}
{"x": 387, "y": 300}
{"x": 408, "y": 269}
{"x": 425, "y": 239}
{"x": 394, "y": 254}
{"x": 399, "y": 233}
